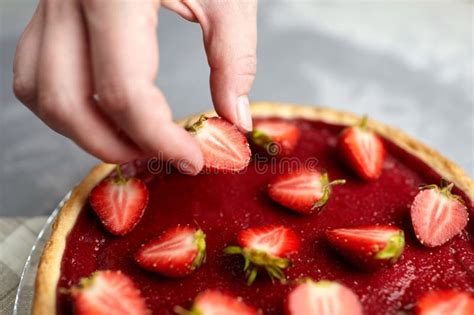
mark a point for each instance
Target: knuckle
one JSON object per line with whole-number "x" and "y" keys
{"x": 51, "y": 108}
{"x": 23, "y": 90}
{"x": 244, "y": 65}
{"x": 91, "y": 4}
{"x": 52, "y": 4}
{"x": 117, "y": 96}
{"x": 97, "y": 149}
{"x": 247, "y": 65}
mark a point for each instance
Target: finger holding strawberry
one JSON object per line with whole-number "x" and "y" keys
{"x": 223, "y": 146}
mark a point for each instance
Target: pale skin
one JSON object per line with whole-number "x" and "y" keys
{"x": 87, "y": 69}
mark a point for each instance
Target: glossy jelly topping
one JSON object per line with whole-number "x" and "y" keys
{"x": 223, "y": 204}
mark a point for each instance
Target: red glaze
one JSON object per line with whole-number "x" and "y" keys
{"x": 225, "y": 204}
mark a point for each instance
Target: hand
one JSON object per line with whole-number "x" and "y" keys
{"x": 87, "y": 69}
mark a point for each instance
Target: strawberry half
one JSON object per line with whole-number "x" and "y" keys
{"x": 322, "y": 298}
{"x": 437, "y": 215}
{"x": 363, "y": 150}
{"x": 223, "y": 146}
{"x": 265, "y": 247}
{"x": 275, "y": 137}
{"x": 108, "y": 293}
{"x": 368, "y": 247}
{"x": 119, "y": 202}
{"x": 303, "y": 191}
{"x": 445, "y": 302}
{"x": 176, "y": 253}
{"x": 213, "y": 302}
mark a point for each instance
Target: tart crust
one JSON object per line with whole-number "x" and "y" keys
{"x": 49, "y": 269}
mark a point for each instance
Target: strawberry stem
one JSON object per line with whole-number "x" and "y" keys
{"x": 200, "y": 240}
{"x": 252, "y": 276}
{"x": 182, "y": 311}
{"x": 233, "y": 250}
{"x": 337, "y": 182}
{"x": 120, "y": 178}
{"x": 363, "y": 122}
{"x": 254, "y": 260}
{"x": 197, "y": 125}
{"x": 447, "y": 189}
{"x": 326, "y": 187}
{"x": 394, "y": 248}
{"x": 447, "y": 192}
{"x": 275, "y": 273}
{"x": 259, "y": 137}
{"x": 322, "y": 283}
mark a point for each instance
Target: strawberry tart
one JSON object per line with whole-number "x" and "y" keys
{"x": 315, "y": 211}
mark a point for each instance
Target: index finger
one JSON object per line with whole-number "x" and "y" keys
{"x": 124, "y": 52}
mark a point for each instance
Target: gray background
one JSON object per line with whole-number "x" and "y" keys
{"x": 406, "y": 63}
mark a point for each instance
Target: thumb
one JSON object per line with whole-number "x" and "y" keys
{"x": 230, "y": 38}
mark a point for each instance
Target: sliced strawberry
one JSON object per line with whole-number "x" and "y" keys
{"x": 176, "y": 253}
{"x": 303, "y": 191}
{"x": 119, "y": 202}
{"x": 276, "y": 240}
{"x": 224, "y": 147}
{"x": 213, "y": 302}
{"x": 363, "y": 150}
{"x": 275, "y": 137}
{"x": 437, "y": 215}
{"x": 322, "y": 298}
{"x": 265, "y": 247}
{"x": 450, "y": 302}
{"x": 368, "y": 247}
{"x": 108, "y": 293}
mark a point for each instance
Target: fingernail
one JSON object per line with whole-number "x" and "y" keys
{"x": 186, "y": 167}
{"x": 243, "y": 112}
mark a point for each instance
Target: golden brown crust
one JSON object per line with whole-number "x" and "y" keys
{"x": 50, "y": 263}
{"x": 49, "y": 268}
